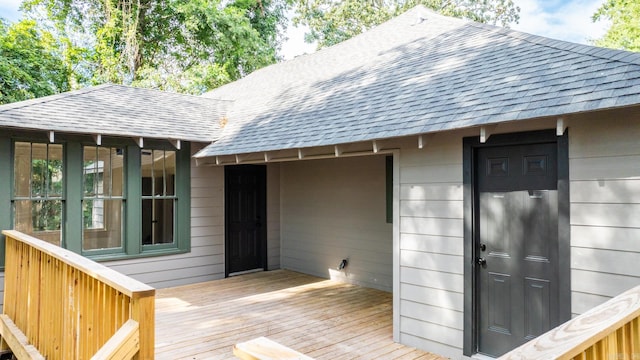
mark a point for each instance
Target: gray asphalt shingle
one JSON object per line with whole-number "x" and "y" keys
{"x": 407, "y": 77}
{"x": 118, "y": 110}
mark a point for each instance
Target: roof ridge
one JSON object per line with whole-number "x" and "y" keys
{"x": 90, "y": 89}
{"x": 53, "y": 97}
{"x": 169, "y": 93}
{"x": 625, "y": 56}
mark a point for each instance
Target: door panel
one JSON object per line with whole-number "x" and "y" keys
{"x": 537, "y": 300}
{"x": 517, "y": 294}
{"x": 245, "y": 218}
{"x": 500, "y": 302}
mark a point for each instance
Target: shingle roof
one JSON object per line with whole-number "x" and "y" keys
{"x": 118, "y": 111}
{"x": 418, "y": 73}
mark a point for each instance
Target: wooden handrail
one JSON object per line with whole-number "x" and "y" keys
{"x": 608, "y": 331}
{"x": 123, "y": 345}
{"x": 69, "y": 307}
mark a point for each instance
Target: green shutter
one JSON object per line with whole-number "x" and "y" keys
{"x": 72, "y": 228}
{"x": 133, "y": 209}
{"x": 183, "y": 191}
{"x": 6, "y": 176}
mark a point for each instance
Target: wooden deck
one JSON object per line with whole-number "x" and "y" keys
{"x": 321, "y": 318}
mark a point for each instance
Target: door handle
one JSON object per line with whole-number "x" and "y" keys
{"x": 481, "y": 261}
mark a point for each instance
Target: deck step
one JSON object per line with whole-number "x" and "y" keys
{"x": 264, "y": 349}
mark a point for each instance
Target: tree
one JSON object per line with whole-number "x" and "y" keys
{"x": 624, "y": 32}
{"x": 331, "y": 22}
{"x": 31, "y": 63}
{"x": 186, "y": 46}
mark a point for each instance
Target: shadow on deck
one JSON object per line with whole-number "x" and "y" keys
{"x": 321, "y": 318}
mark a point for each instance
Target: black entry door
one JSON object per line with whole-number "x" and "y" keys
{"x": 245, "y": 198}
{"x": 517, "y": 241}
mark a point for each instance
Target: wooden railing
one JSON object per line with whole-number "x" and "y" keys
{"x": 60, "y": 305}
{"x": 610, "y": 331}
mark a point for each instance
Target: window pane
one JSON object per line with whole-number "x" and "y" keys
{"x": 158, "y": 172}
{"x": 22, "y": 169}
{"x": 54, "y": 171}
{"x": 103, "y": 175}
{"x": 90, "y": 170}
{"x": 170, "y": 172}
{"x": 116, "y": 160}
{"x": 39, "y": 218}
{"x": 93, "y": 211}
{"x": 146, "y": 159}
{"x": 157, "y": 221}
{"x": 41, "y": 166}
{"x": 102, "y": 223}
{"x": 38, "y": 169}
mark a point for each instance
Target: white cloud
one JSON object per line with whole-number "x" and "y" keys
{"x": 295, "y": 44}
{"x": 564, "y": 20}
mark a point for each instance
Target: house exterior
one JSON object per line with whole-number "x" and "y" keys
{"x": 489, "y": 178}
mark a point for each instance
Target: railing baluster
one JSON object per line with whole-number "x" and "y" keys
{"x": 69, "y": 307}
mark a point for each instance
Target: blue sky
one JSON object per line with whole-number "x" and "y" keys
{"x": 565, "y": 20}
{"x": 9, "y": 9}
{"x": 559, "y": 19}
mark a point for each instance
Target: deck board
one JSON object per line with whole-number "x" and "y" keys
{"x": 321, "y": 318}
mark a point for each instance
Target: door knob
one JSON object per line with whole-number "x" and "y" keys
{"x": 481, "y": 261}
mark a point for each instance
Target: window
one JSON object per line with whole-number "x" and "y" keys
{"x": 38, "y": 190}
{"x": 108, "y": 202}
{"x": 158, "y": 196}
{"x": 102, "y": 197}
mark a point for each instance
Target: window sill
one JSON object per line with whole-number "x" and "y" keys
{"x": 145, "y": 254}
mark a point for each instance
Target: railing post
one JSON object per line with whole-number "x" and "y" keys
{"x": 143, "y": 311}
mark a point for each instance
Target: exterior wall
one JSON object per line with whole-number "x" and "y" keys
{"x": 335, "y": 209}
{"x": 205, "y": 261}
{"x": 431, "y": 268}
{"x": 604, "y": 162}
{"x": 604, "y": 165}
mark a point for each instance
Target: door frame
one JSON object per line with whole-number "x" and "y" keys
{"x": 470, "y": 146}
{"x": 262, "y": 191}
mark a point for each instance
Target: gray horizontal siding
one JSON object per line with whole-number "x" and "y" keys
{"x": 205, "y": 261}
{"x": 333, "y": 209}
{"x": 431, "y": 298}
{"x": 605, "y": 208}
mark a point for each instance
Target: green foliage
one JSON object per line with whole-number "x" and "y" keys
{"x": 331, "y": 22}
{"x": 185, "y": 46}
{"x": 624, "y": 32}
{"x": 31, "y": 63}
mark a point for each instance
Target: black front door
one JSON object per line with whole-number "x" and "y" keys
{"x": 245, "y": 198}
{"x": 517, "y": 245}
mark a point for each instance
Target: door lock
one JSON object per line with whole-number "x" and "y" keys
{"x": 481, "y": 261}
{"x": 483, "y": 247}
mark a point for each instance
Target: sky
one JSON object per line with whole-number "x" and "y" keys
{"x": 568, "y": 20}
